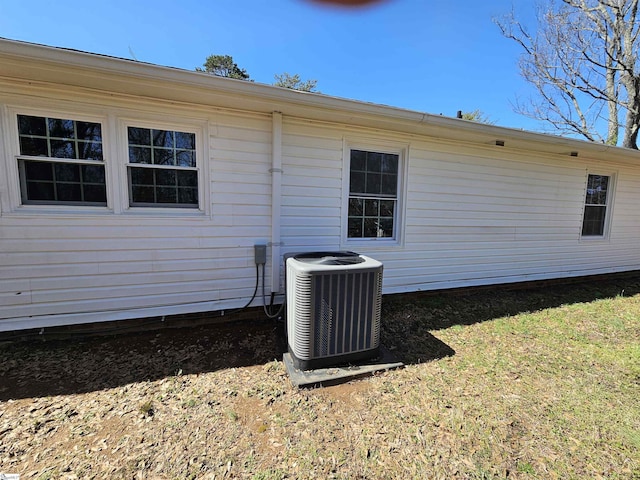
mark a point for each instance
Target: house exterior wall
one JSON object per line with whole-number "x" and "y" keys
{"x": 469, "y": 213}
{"x": 474, "y": 215}
{"x": 68, "y": 265}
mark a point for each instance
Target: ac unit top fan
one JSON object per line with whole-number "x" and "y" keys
{"x": 333, "y": 308}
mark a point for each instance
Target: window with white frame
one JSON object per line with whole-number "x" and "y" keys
{"x": 596, "y": 206}
{"x": 60, "y": 161}
{"x": 373, "y": 194}
{"x": 162, "y": 168}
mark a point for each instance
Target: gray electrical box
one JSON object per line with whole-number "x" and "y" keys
{"x": 260, "y": 252}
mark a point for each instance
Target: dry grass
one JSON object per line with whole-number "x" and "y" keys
{"x": 540, "y": 383}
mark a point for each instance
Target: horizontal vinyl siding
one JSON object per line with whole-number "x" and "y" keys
{"x": 472, "y": 216}
{"x": 474, "y": 220}
{"x": 311, "y": 187}
{"x": 64, "y": 268}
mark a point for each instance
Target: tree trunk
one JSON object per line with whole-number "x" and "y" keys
{"x": 632, "y": 122}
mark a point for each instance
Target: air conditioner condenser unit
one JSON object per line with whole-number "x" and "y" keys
{"x": 333, "y": 308}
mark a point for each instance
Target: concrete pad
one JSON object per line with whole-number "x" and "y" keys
{"x": 323, "y": 377}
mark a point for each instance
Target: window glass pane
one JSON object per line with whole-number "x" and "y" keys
{"x": 355, "y": 228}
{"x": 89, "y": 131}
{"x": 188, "y": 195}
{"x": 187, "y": 178}
{"x": 185, "y": 158}
{"x": 386, "y": 227}
{"x": 142, "y": 194}
{"x": 139, "y": 136}
{"x": 40, "y": 191}
{"x": 358, "y": 160}
{"x": 356, "y": 207}
{"x": 597, "y": 190}
{"x": 185, "y": 140}
{"x": 61, "y": 128}
{"x": 95, "y": 193}
{"x": 162, "y": 156}
{"x": 139, "y": 155}
{"x": 63, "y": 182}
{"x": 166, "y": 195}
{"x": 594, "y": 217}
{"x": 34, "y": 146}
{"x": 69, "y": 192}
{"x": 387, "y": 208}
{"x": 166, "y": 177}
{"x": 374, "y": 162}
{"x": 39, "y": 171}
{"x": 357, "y": 182}
{"x": 91, "y": 174}
{"x": 67, "y": 172}
{"x": 371, "y": 208}
{"x": 389, "y": 184}
{"x": 163, "y": 138}
{"x": 28, "y": 125}
{"x": 63, "y": 149}
{"x": 390, "y": 163}
{"x": 374, "y": 183}
{"x": 370, "y": 227}
{"x": 142, "y": 176}
{"x": 90, "y": 150}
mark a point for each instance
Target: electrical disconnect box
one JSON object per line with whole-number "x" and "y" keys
{"x": 260, "y": 253}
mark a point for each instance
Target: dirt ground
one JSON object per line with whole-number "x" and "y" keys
{"x": 215, "y": 401}
{"x": 75, "y": 365}
{"x": 85, "y": 404}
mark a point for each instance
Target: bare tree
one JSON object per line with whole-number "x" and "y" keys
{"x": 583, "y": 61}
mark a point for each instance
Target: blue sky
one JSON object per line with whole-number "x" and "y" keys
{"x": 435, "y": 56}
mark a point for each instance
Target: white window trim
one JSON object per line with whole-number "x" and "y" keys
{"x": 14, "y": 204}
{"x": 381, "y": 146}
{"x": 605, "y": 237}
{"x": 200, "y": 130}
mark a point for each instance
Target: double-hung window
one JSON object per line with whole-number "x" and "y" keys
{"x": 373, "y": 195}
{"x": 162, "y": 168}
{"x": 596, "y": 206}
{"x": 60, "y": 161}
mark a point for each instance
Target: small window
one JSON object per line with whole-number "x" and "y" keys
{"x": 373, "y": 194}
{"x": 596, "y": 206}
{"x": 61, "y": 161}
{"x": 162, "y": 168}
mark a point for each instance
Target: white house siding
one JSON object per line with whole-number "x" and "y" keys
{"x": 311, "y": 186}
{"x": 475, "y": 215}
{"x": 65, "y": 268}
{"x": 504, "y": 217}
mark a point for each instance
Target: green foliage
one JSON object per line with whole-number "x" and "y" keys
{"x": 294, "y": 82}
{"x": 223, "y": 66}
{"x": 477, "y": 116}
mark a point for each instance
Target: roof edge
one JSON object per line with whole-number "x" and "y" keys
{"x": 137, "y": 69}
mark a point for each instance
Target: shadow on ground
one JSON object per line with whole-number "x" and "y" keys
{"x": 83, "y": 364}
{"x": 78, "y": 364}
